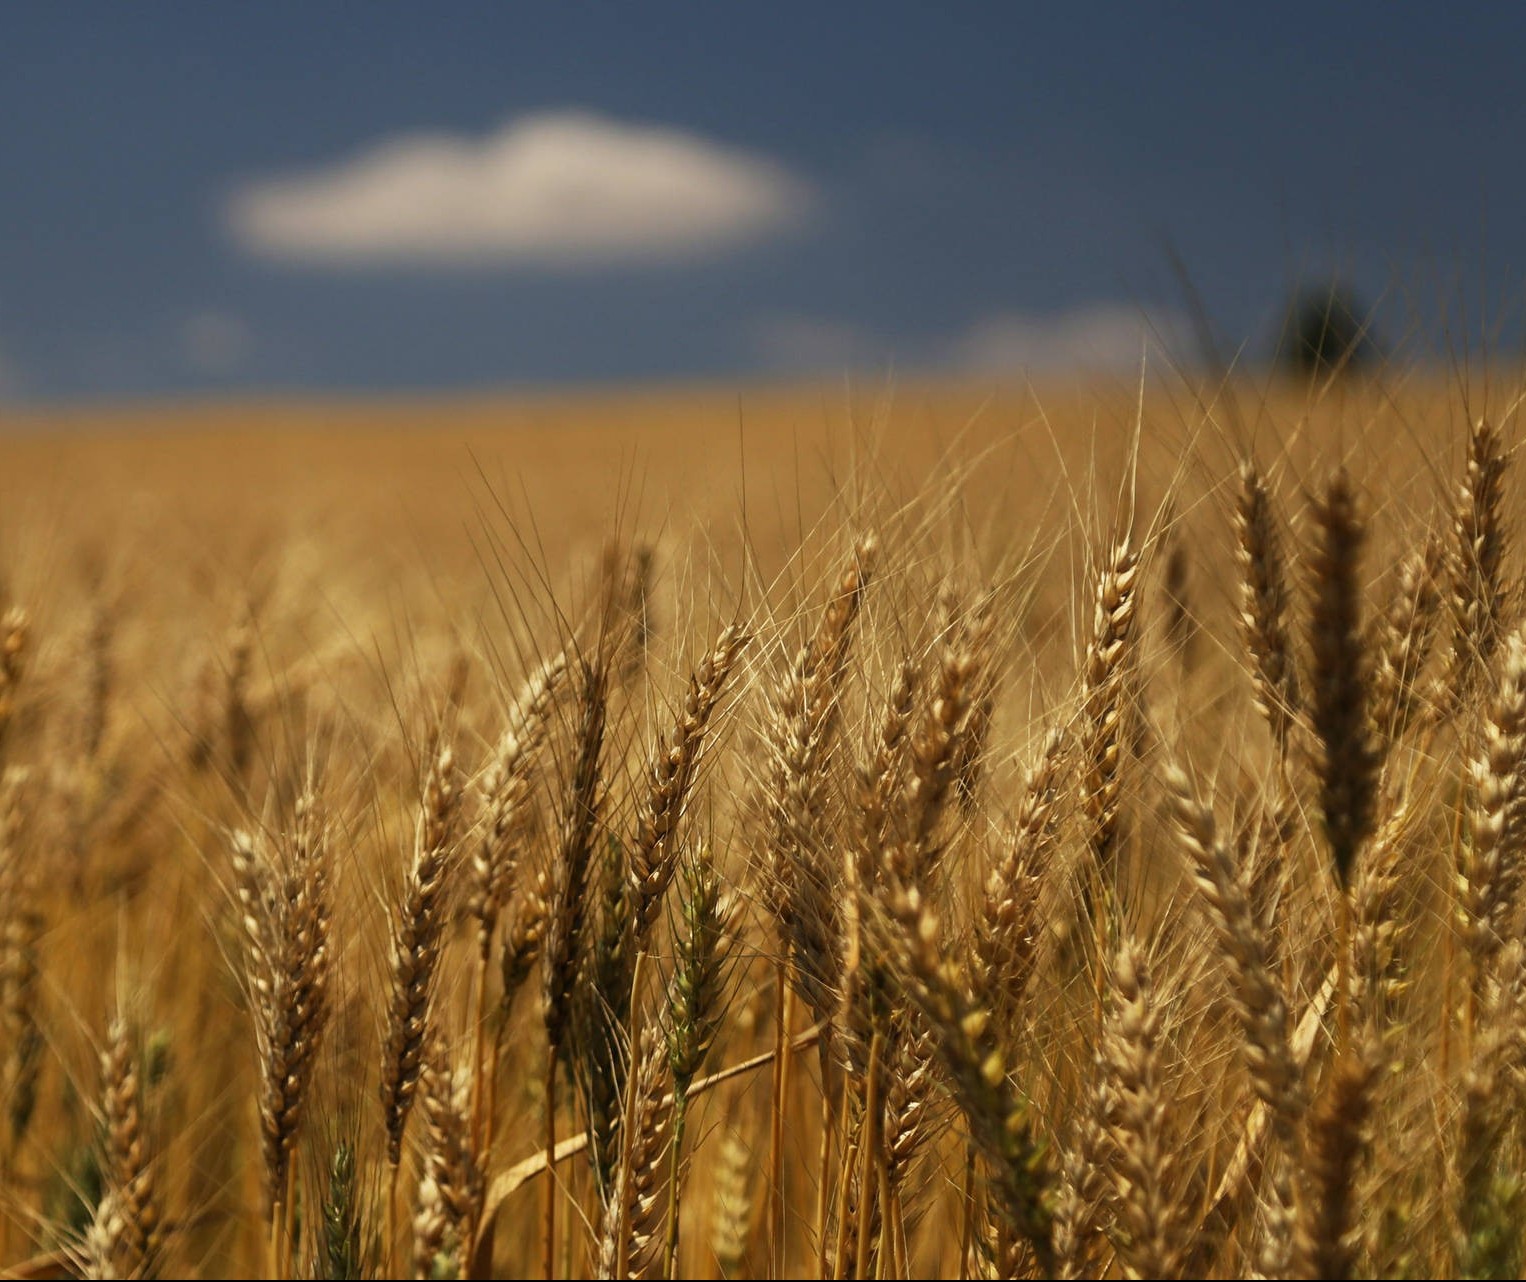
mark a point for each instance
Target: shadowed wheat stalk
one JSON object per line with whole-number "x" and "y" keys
{"x": 1263, "y": 606}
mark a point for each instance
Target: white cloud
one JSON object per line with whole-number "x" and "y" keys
{"x": 558, "y": 188}
{"x": 1100, "y": 337}
{"x": 810, "y": 344}
{"x": 214, "y": 342}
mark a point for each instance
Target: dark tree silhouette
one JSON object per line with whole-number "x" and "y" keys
{"x": 1326, "y": 332}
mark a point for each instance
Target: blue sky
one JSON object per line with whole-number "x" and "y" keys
{"x": 291, "y": 197}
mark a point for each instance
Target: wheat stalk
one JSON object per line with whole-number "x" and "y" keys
{"x": 653, "y": 857}
{"x": 633, "y": 1215}
{"x": 128, "y": 1168}
{"x": 568, "y": 904}
{"x": 15, "y": 636}
{"x": 1104, "y": 705}
{"x": 958, "y": 1007}
{"x": 1263, "y": 611}
{"x": 1489, "y": 880}
{"x": 451, "y": 1183}
{"x": 1139, "y": 1157}
{"x": 1255, "y": 993}
{"x": 1339, "y": 677}
{"x": 1475, "y": 597}
{"x": 1322, "y": 1245}
{"x": 21, "y": 928}
{"x": 1404, "y": 640}
{"x": 503, "y": 790}
{"x": 287, "y": 965}
{"x": 695, "y": 1006}
{"x": 416, "y": 947}
{"x": 1007, "y": 919}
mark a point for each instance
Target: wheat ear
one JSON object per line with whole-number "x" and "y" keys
{"x": 568, "y": 905}
{"x": 1104, "y": 706}
{"x": 631, "y": 1231}
{"x": 1255, "y": 993}
{"x": 1475, "y": 597}
{"x": 416, "y": 942}
{"x": 958, "y": 1007}
{"x": 1139, "y": 1155}
{"x": 416, "y": 939}
{"x": 1322, "y": 1246}
{"x": 21, "y": 927}
{"x": 451, "y": 1184}
{"x": 1405, "y": 636}
{"x": 1339, "y": 676}
{"x": 1263, "y": 605}
{"x": 1490, "y": 877}
{"x": 15, "y": 635}
{"x": 128, "y": 1170}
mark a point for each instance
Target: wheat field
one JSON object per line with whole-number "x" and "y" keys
{"x": 872, "y": 833}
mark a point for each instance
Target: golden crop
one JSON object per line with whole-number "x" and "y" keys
{"x": 689, "y": 833}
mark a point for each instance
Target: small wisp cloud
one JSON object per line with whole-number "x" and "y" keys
{"x": 1096, "y": 338}
{"x": 788, "y": 343}
{"x": 214, "y": 342}
{"x": 566, "y": 189}
{"x": 1102, "y": 337}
